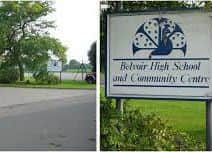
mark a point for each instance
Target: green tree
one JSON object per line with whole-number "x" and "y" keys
{"x": 92, "y": 56}
{"x": 74, "y": 64}
{"x": 65, "y": 67}
{"x": 88, "y": 66}
{"x": 24, "y": 37}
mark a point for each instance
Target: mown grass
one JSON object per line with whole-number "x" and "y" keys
{"x": 65, "y": 84}
{"x": 186, "y": 116}
{"x": 78, "y": 70}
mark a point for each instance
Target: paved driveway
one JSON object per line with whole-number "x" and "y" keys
{"x": 47, "y": 119}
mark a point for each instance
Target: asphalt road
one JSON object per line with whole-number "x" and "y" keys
{"x": 47, "y": 119}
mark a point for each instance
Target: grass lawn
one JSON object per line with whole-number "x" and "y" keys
{"x": 186, "y": 116}
{"x": 66, "y": 84}
{"x": 77, "y": 70}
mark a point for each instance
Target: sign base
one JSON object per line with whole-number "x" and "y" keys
{"x": 209, "y": 126}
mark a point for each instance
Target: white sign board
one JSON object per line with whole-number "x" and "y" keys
{"x": 166, "y": 56}
{"x": 54, "y": 66}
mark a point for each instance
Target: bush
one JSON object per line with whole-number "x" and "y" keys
{"x": 135, "y": 131}
{"x": 27, "y": 81}
{"x": 52, "y": 79}
{"x": 43, "y": 77}
{"x": 8, "y": 74}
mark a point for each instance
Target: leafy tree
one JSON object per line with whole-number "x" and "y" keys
{"x": 65, "y": 67}
{"x": 74, "y": 64}
{"x": 92, "y": 56}
{"x": 88, "y": 66}
{"x": 24, "y": 37}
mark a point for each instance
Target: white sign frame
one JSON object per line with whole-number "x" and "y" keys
{"x": 109, "y": 64}
{"x": 54, "y": 68}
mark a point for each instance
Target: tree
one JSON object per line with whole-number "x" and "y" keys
{"x": 65, "y": 67}
{"x": 92, "y": 56}
{"x": 24, "y": 37}
{"x": 74, "y": 64}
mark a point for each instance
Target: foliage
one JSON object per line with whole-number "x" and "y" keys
{"x": 76, "y": 67}
{"x": 24, "y": 37}
{"x": 65, "y": 67}
{"x": 36, "y": 50}
{"x": 8, "y": 74}
{"x": 185, "y": 116}
{"x": 88, "y": 66}
{"x": 74, "y": 64}
{"x": 207, "y": 5}
{"x": 43, "y": 77}
{"x": 92, "y": 56}
{"x": 27, "y": 81}
{"x": 135, "y": 131}
{"x": 52, "y": 79}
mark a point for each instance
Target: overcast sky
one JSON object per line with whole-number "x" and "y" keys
{"x": 76, "y": 23}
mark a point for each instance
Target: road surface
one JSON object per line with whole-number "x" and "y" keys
{"x": 47, "y": 119}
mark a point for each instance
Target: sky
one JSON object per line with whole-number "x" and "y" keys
{"x": 76, "y": 26}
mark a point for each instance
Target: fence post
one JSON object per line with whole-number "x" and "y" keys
{"x": 120, "y": 105}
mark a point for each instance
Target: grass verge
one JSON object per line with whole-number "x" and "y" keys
{"x": 185, "y": 116}
{"x": 78, "y": 70}
{"x": 65, "y": 84}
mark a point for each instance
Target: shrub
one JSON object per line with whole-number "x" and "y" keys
{"x": 8, "y": 74}
{"x": 135, "y": 131}
{"x": 43, "y": 77}
{"x": 52, "y": 79}
{"x": 40, "y": 76}
{"x": 28, "y": 82}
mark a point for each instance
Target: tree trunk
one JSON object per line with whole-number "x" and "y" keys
{"x": 21, "y": 72}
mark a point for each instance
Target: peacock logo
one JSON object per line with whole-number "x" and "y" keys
{"x": 160, "y": 36}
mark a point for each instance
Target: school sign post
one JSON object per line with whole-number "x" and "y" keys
{"x": 54, "y": 65}
{"x": 161, "y": 56}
